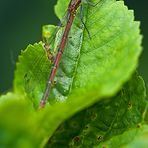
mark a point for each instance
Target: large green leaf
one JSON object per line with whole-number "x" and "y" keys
{"x": 21, "y": 126}
{"x": 113, "y": 34}
{"x": 105, "y": 119}
{"x": 102, "y": 63}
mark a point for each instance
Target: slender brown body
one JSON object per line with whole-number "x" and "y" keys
{"x": 73, "y": 5}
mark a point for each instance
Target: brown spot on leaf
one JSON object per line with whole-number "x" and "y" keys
{"x": 138, "y": 125}
{"x": 129, "y": 105}
{"x": 76, "y": 139}
{"x": 86, "y": 126}
{"x": 93, "y": 116}
{"x": 99, "y": 138}
{"x": 104, "y": 146}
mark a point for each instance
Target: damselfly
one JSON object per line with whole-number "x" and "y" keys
{"x": 72, "y": 8}
{"x": 73, "y": 5}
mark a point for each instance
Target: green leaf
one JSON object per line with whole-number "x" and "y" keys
{"x": 16, "y": 124}
{"x": 22, "y": 126}
{"x": 105, "y": 119}
{"x": 105, "y": 58}
{"x": 10, "y": 97}
{"x": 133, "y": 138}
{"x": 32, "y": 72}
{"x": 103, "y": 63}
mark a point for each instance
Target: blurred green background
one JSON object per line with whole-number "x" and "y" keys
{"x": 21, "y": 24}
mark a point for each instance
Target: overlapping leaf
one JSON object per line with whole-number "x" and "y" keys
{"x": 21, "y": 126}
{"x": 105, "y": 119}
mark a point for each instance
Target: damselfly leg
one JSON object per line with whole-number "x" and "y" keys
{"x": 48, "y": 50}
{"x": 92, "y": 4}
